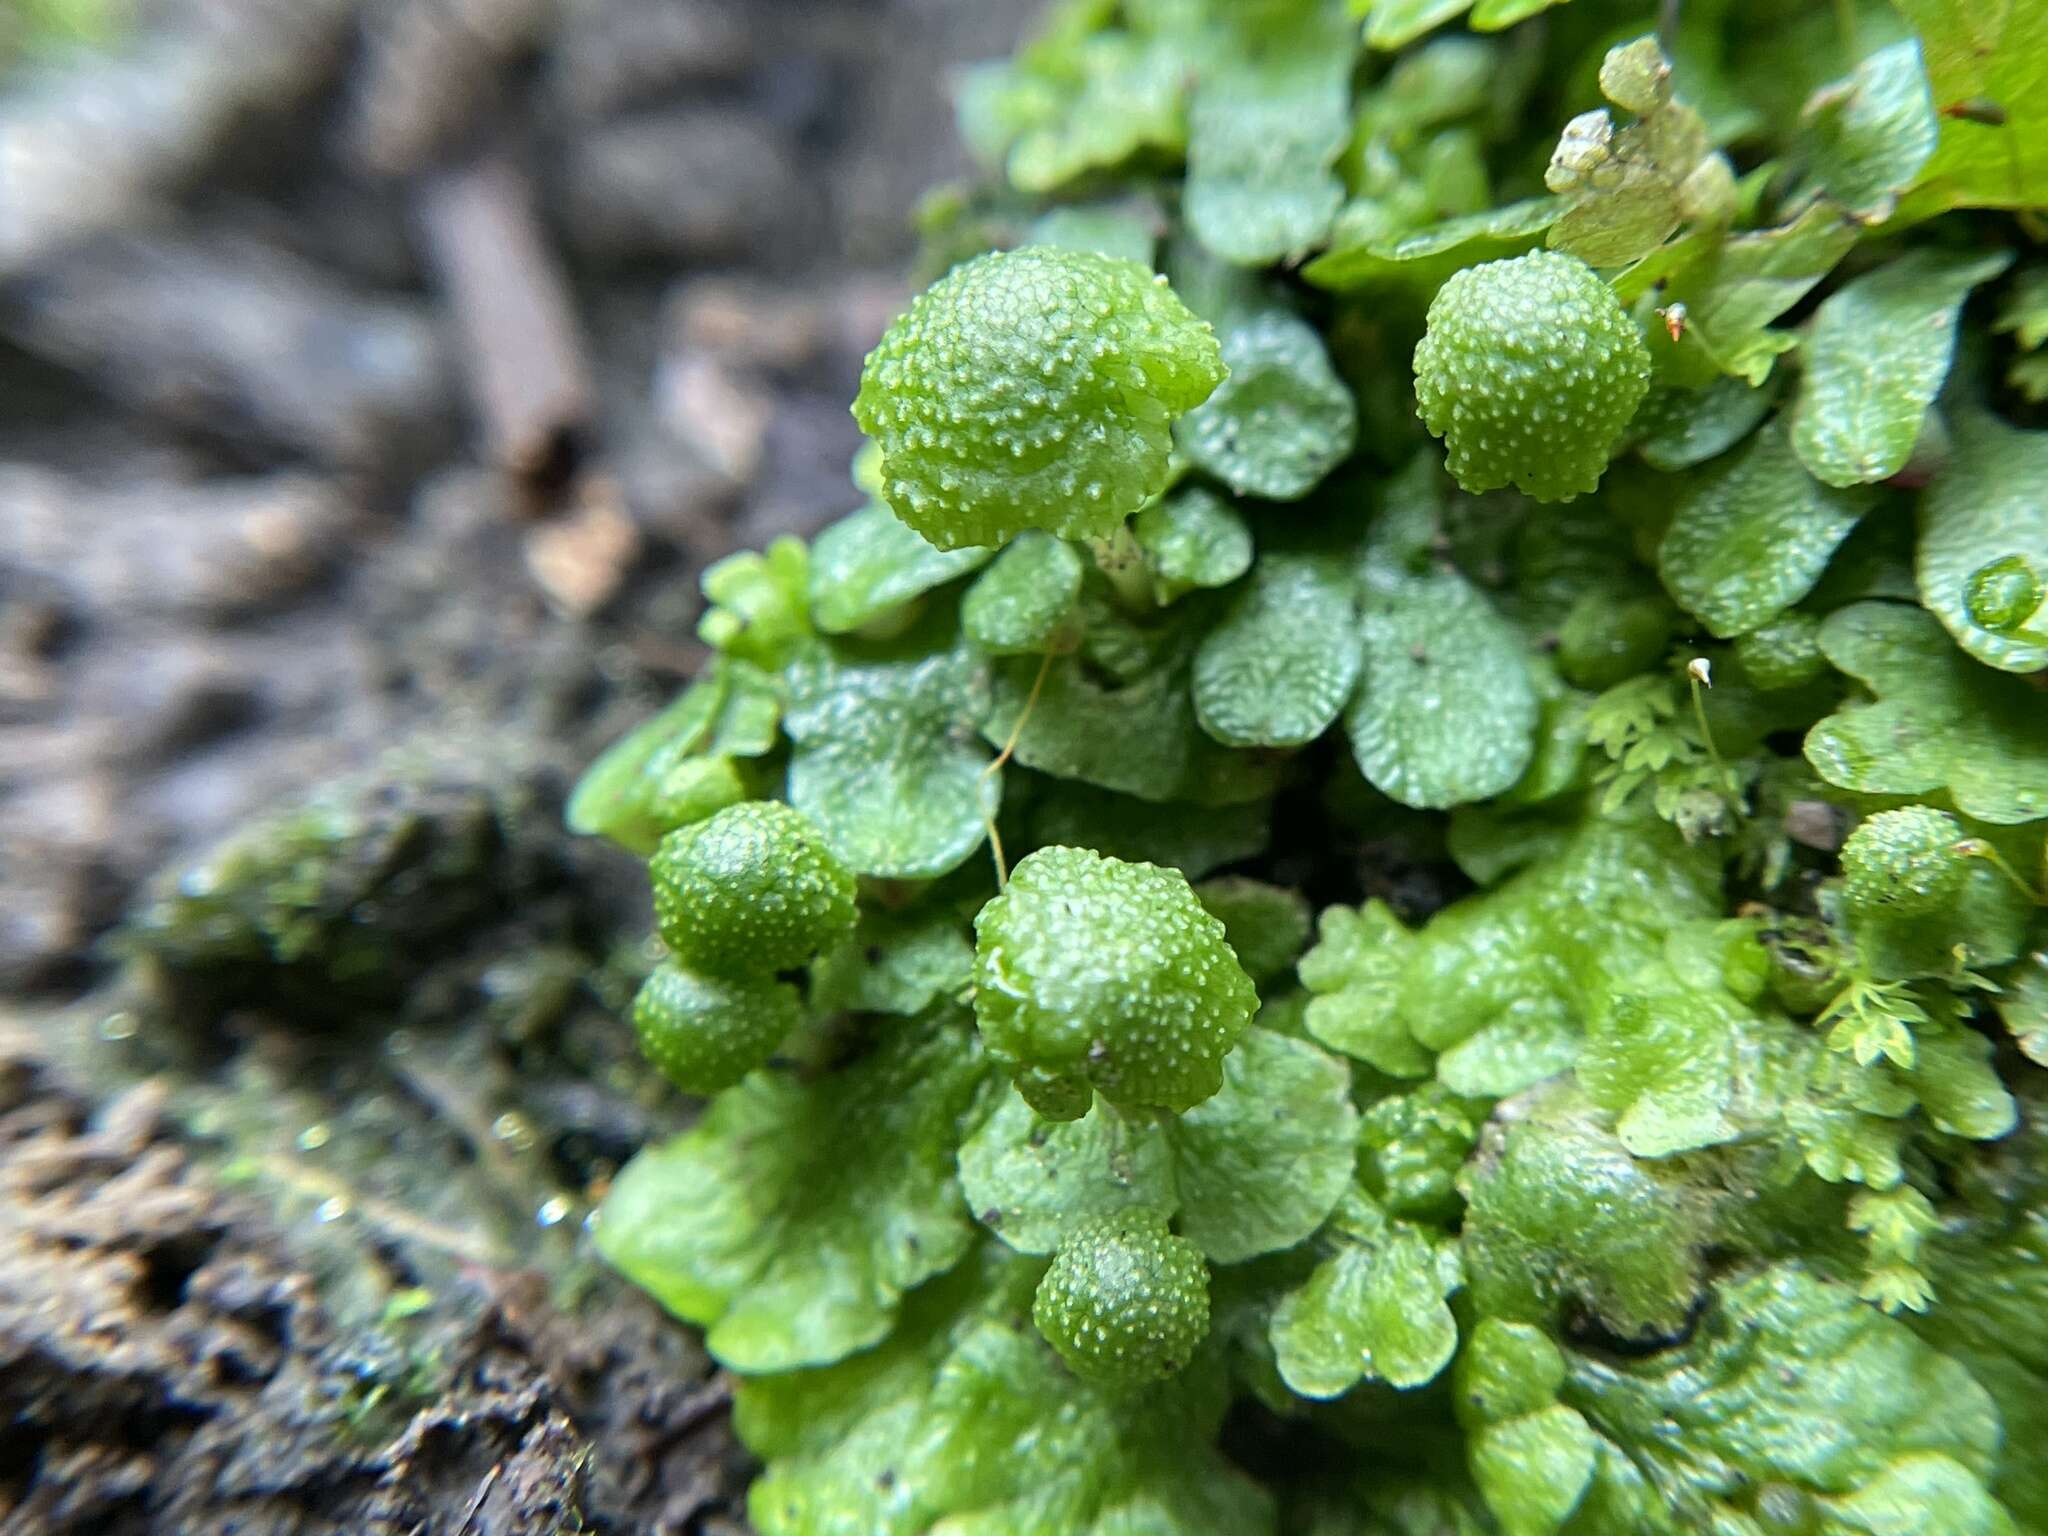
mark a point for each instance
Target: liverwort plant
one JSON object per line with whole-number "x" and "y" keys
{"x": 1393, "y": 883}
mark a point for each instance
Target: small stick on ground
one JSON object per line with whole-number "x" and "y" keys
{"x": 522, "y": 351}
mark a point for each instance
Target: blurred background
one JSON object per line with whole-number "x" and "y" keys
{"x": 363, "y": 360}
{"x": 375, "y": 378}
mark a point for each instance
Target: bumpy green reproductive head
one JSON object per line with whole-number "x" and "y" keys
{"x": 1529, "y": 372}
{"x": 1033, "y": 389}
{"x": 1093, "y": 973}
{"x": 752, "y": 891}
{"x": 1906, "y": 861}
{"x": 1125, "y": 1302}
{"x": 705, "y": 1033}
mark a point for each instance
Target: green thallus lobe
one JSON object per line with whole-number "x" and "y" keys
{"x": 1655, "y": 1108}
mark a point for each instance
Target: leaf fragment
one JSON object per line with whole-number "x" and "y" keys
{"x": 1939, "y": 721}
{"x": 1875, "y": 358}
{"x": 1752, "y": 536}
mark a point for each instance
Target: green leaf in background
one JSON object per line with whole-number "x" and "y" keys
{"x": 1990, "y": 55}
{"x": 1136, "y": 738}
{"x": 1446, "y": 707}
{"x": 1269, "y": 118}
{"x": 1496, "y": 15}
{"x": 1957, "y": 1085}
{"x": 684, "y": 764}
{"x": 1243, "y": 1179}
{"x": 1661, "y": 1057}
{"x": 1989, "y": 501}
{"x": 867, "y": 566}
{"x": 1108, "y": 229}
{"x": 896, "y": 963}
{"x": 1452, "y": 77}
{"x": 1032, "y": 1181}
{"x": 1500, "y": 983}
{"x": 1534, "y": 1469}
{"x": 1278, "y": 666}
{"x": 2023, "y": 313}
{"x": 2023, "y": 1005}
{"x": 1682, "y": 428}
{"x": 1193, "y": 538}
{"x": 1412, "y": 1147}
{"x": 1267, "y": 925}
{"x": 1867, "y": 137}
{"x": 1531, "y": 1456}
{"x": 1922, "y": 1493}
{"x": 1193, "y": 839}
{"x": 2024, "y": 316}
{"x": 886, "y": 763}
{"x": 1078, "y": 98}
{"x": 52, "y": 25}
{"x": 1445, "y": 710}
{"x": 1875, "y": 358}
{"x": 967, "y": 1423}
{"x": 1752, "y": 535}
{"x": 757, "y": 610}
{"x": 1376, "y": 1308}
{"x": 1024, "y": 603}
{"x": 1732, "y": 296}
{"x": 1507, "y": 1370}
{"x": 1393, "y": 24}
{"x": 1422, "y": 259}
{"x": 1355, "y": 973}
{"x": 1281, "y": 420}
{"x": 1252, "y": 1181}
{"x": 1939, "y": 721}
{"x": 794, "y": 1246}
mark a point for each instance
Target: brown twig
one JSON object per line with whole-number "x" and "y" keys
{"x": 521, "y": 349}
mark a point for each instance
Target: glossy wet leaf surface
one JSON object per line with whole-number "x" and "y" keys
{"x": 1990, "y": 500}
{"x": 786, "y": 1249}
{"x": 1278, "y": 666}
{"x": 885, "y": 761}
{"x": 1752, "y": 536}
{"x": 1874, "y": 360}
{"x": 1938, "y": 720}
{"x": 1242, "y": 1180}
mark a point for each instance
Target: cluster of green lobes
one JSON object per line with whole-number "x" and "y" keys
{"x": 1033, "y": 389}
{"x": 1530, "y": 372}
{"x": 1639, "y": 1147}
